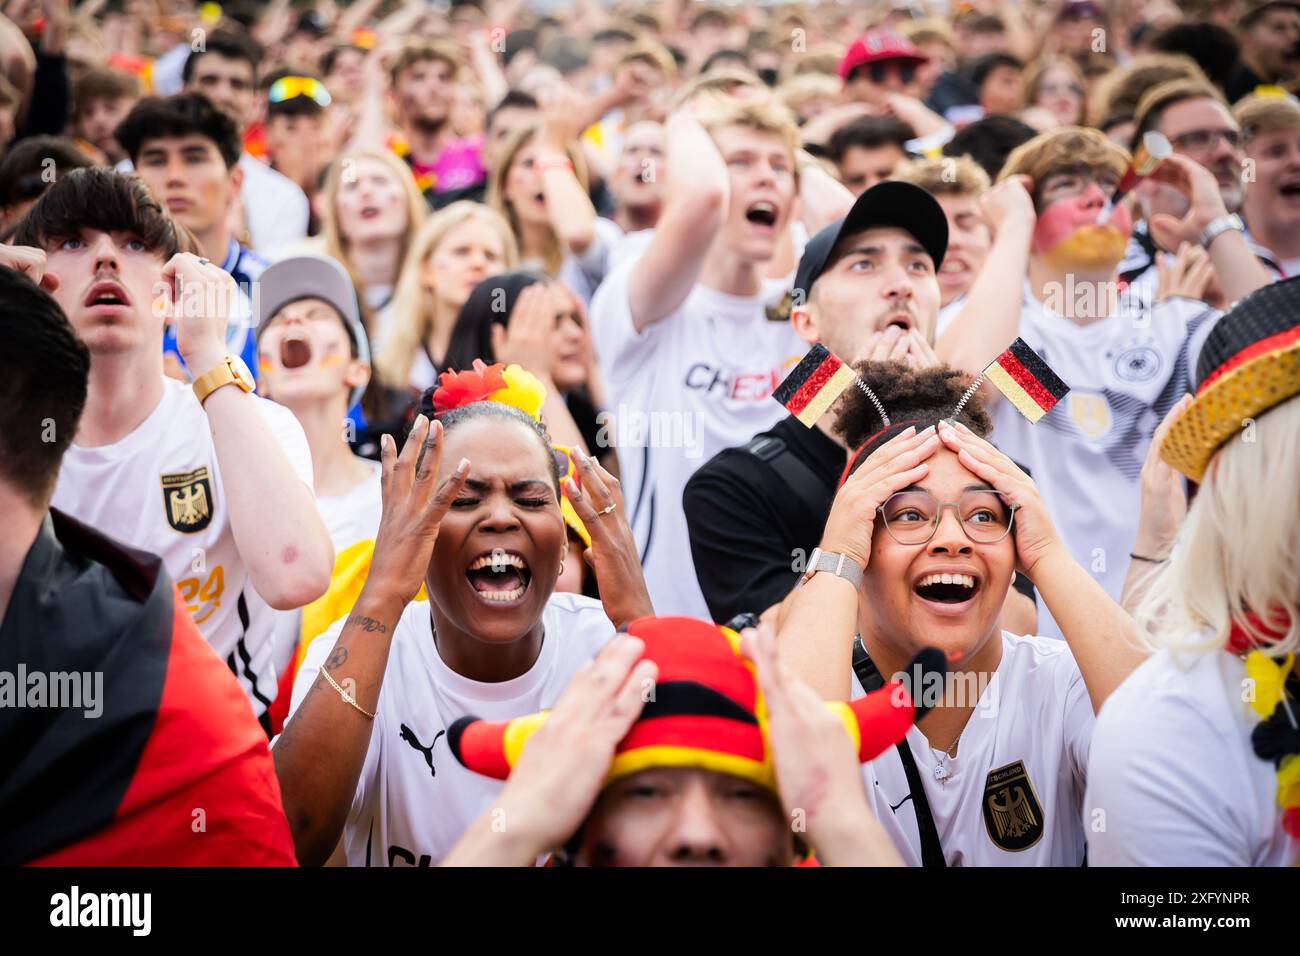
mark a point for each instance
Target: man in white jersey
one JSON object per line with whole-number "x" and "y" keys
{"x": 214, "y": 480}
{"x": 689, "y": 355}
{"x": 1051, "y": 280}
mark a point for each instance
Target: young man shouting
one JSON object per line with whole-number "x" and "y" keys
{"x": 215, "y": 481}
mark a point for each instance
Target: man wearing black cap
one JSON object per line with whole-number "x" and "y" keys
{"x": 866, "y": 288}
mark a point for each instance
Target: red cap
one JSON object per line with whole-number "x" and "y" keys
{"x": 875, "y": 46}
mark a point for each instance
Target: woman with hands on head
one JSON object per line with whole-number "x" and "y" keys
{"x": 471, "y": 512}
{"x": 624, "y": 772}
{"x": 923, "y": 537}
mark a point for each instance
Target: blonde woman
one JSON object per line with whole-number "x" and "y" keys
{"x": 540, "y": 187}
{"x": 1196, "y": 757}
{"x": 454, "y": 250}
{"x": 372, "y": 209}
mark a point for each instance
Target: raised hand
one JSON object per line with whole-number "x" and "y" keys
{"x": 613, "y": 554}
{"x": 893, "y": 466}
{"x": 31, "y": 262}
{"x": 1164, "y": 502}
{"x": 1032, "y": 528}
{"x": 1189, "y": 275}
{"x": 529, "y": 341}
{"x": 414, "y": 505}
{"x": 1010, "y": 201}
{"x": 200, "y": 298}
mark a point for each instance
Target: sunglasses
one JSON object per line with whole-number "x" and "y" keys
{"x": 879, "y": 72}
{"x": 291, "y": 87}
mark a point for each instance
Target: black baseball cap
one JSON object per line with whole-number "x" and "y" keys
{"x": 890, "y": 203}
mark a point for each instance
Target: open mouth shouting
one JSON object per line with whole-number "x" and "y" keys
{"x": 500, "y": 578}
{"x": 762, "y": 213}
{"x": 947, "y": 592}
{"x": 295, "y": 351}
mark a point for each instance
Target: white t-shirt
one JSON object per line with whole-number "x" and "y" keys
{"x": 354, "y": 515}
{"x": 1173, "y": 779}
{"x": 275, "y": 208}
{"x": 159, "y": 489}
{"x": 414, "y": 800}
{"x": 584, "y": 273}
{"x": 1019, "y": 774}
{"x": 694, "y": 383}
{"x": 1086, "y": 454}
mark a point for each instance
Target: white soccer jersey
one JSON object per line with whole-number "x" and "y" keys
{"x": 682, "y": 390}
{"x": 1013, "y": 795}
{"x": 1125, "y": 372}
{"x": 1173, "y": 779}
{"x": 159, "y": 489}
{"x": 414, "y": 800}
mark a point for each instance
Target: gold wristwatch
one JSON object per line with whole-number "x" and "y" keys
{"x": 231, "y": 371}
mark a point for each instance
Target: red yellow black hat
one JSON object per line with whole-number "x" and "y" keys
{"x": 706, "y": 712}
{"x": 1250, "y": 363}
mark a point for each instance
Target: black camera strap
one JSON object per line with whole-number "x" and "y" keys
{"x": 931, "y": 849}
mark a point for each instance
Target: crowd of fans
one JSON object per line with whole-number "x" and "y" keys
{"x": 426, "y": 362}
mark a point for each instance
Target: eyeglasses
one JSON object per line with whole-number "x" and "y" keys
{"x": 879, "y": 72}
{"x": 291, "y": 87}
{"x": 912, "y": 517}
{"x": 1199, "y": 140}
{"x": 1054, "y": 89}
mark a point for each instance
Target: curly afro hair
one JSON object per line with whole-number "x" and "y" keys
{"x": 920, "y": 397}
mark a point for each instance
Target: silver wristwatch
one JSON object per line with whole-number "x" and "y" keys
{"x": 1226, "y": 223}
{"x": 840, "y": 565}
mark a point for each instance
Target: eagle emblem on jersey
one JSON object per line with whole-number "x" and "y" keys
{"x": 1013, "y": 816}
{"x": 187, "y": 500}
{"x": 1091, "y": 413}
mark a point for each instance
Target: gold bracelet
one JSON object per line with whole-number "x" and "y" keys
{"x": 344, "y": 694}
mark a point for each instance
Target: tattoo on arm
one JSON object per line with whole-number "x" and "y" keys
{"x": 368, "y": 624}
{"x": 338, "y": 657}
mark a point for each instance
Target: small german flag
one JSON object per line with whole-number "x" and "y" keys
{"x": 813, "y": 385}
{"x": 1022, "y": 376}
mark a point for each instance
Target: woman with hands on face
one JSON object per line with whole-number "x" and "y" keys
{"x": 923, "y": 537}
{"x": 471, "y": 512}
{"x": 525, "y": 318}
{"x": 771, "y": 769}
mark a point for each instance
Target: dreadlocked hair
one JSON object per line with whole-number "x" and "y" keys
{"x": 921, "y": 397}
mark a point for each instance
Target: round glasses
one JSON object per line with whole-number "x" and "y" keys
{"x": 912, "y": 517}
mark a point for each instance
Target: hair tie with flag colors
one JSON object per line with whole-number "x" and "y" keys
{"x": 816, "y": 382}
{"x": 1024, "y": 378}
{"x": 706, "y": 711}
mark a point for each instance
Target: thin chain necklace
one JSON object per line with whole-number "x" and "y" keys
{"x": 941, "y": 770}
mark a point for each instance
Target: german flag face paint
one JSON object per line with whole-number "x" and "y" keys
{"x": 1024, "y": 378}
{"x": 813, "y": 385}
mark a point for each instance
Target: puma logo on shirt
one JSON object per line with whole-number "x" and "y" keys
{"x": 409, "y": 736}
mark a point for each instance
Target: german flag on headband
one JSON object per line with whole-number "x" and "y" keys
{"x": 1023, "y": 377}
{"x": 813, "y": 385}
{"x": 706, "y": 711}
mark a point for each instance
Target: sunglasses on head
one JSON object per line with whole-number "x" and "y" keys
{"x": 291, "y": 87}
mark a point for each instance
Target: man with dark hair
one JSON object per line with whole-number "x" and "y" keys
{"x": 295, "y": 128}
{"x": 211, "y": 478}
{"x": 187, "y": 152}
{"x": 133, "y": 686}
{"x": 867, "y": 150}
{"x": 989, "y": 141}
{"x": 225, "y": 70}
{"x": 999, "y": 81}
{"x": 420, "y": 85}
{"x": 1212, "y": 46}
{"x": 1270, "y": 48}
{"x": 100, "y": 99}
{"x": 29, "y": 168}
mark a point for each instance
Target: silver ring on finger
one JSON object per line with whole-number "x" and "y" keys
{"x": 204, "y": 262}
